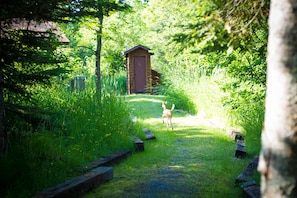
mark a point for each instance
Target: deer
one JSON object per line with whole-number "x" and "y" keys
{"x": 167, "y": 113}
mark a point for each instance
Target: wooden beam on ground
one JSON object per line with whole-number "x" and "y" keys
{"x": 139, "y": 144}
{"x": 109, "y": 160}
{"x": 251, "y": 189}
{"x": 240, "y": 150}
{"x": 148, "y": 134}
{"x": 248, "y": 172}
{"x": 80, "y": 185}
{"x": 236, "y": 135}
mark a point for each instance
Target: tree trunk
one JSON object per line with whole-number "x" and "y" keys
{"x": 98, "y": 51}
{"x": 3, "y": 131}
{"x": 278, "y": 157}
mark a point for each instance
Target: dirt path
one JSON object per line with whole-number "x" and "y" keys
{"x": 191, "y": 161}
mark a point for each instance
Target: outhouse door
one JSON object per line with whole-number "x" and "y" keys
{"x": 140, "y": 73}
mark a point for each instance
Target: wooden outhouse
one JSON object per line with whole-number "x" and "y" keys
{"x": 139, "y": 72}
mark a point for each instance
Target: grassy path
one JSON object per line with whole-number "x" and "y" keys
{"x": 191, "y": 161}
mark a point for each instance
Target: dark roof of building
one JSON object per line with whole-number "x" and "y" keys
{"x": 31, "y": 25}
{"x": 135, "y": 48}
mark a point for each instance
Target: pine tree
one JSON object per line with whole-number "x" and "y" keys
{"x": 28, "y": 53}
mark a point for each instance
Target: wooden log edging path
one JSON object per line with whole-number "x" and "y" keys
{"x": 139, "y": 143}
{"x": 98, "y": 173}
{"x": 80, "y": 185}
{"x": 109, "y": 160}
{"x": 249, "y": 186}
{"x": 148, "y": 134}
{"x": 245, "y": 178}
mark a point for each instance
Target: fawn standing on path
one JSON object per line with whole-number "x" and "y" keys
{"x": 168, "y": 114}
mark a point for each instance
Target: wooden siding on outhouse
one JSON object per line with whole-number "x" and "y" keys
{"x": 139, "y": 73}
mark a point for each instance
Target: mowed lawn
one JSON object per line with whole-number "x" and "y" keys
{"x": 193, "y": 160}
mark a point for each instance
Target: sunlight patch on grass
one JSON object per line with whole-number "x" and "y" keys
{"x": 196, "y": 165}
{"x": 179, "y": 123}
{"x": 145, "y": 99}
{"x": 152, "y": 121}
{"x": 196, "y": 136}
{"x": 176, "y": 167}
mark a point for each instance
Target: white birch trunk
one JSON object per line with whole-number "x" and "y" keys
{"x": 278, "y": 158}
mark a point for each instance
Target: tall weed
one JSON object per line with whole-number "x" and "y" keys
{"x": 87, "y": 121}
{"x": 115, "y": 83}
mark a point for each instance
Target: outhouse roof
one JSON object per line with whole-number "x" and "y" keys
{"x": 135, "y": 48}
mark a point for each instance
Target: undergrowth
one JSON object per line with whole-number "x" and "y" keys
{"x": 79, "y": 128}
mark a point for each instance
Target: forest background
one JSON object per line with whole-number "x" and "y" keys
{"x": 212, "y": 57}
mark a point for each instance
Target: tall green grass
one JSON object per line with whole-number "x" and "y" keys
{"x": 79, "y": 128}
{"x": 115, "y": 83}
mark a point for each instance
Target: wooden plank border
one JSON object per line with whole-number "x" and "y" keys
{"x": 109, "y": 160}
{"x": 80, "y": 185}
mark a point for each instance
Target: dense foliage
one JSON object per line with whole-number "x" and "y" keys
{"x": 211, "y": 55}
{"x": 212, "y": 51}
{"x": 29, "y": 56}
{"x": 226, "y": 45}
